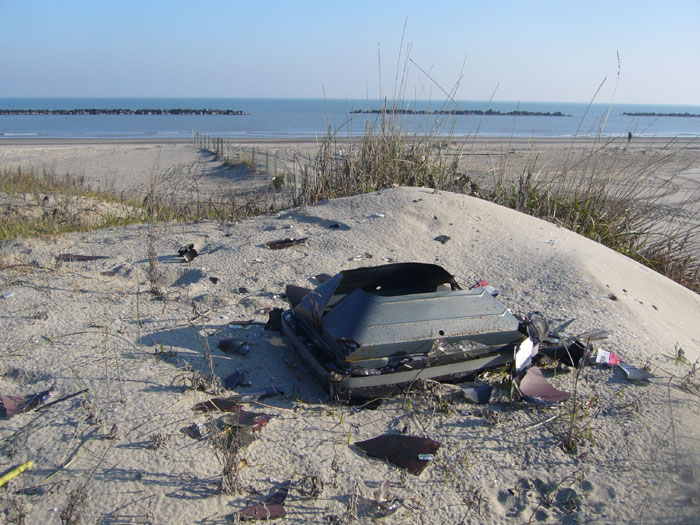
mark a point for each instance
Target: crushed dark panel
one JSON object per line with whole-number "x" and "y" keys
{"x": 410, "y": 452}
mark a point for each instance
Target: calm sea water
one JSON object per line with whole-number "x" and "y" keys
{"x": 299, "y": 118}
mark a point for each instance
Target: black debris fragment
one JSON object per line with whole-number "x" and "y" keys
{"x": 410, "y": 452}
{"x": 477, "y": 393}
{"x": 70, "y": 257}
{"x": 234, "y": 346}
{"x": 285, "y": 243}
{"x": 274, "y": 320}
{"x": 195, "y": 431}
{"x": 442, "y": 238}
{"x": 187, "y": 252}
{"x": 235, "y": 379}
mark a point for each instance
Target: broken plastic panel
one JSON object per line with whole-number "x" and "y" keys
{"x": 270, "y": 508}
{"x": 535, "y": 387}
{"x": 13, "y": 405}
{"x": 410, "y": 452}
{"x": 523, "y": 355}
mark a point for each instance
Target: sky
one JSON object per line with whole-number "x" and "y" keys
{"x": 553, "y": 51}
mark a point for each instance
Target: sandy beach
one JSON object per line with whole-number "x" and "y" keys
{"x": 121, "y": 452}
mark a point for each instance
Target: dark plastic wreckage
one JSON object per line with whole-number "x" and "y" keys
{"x": 372, "y": 332}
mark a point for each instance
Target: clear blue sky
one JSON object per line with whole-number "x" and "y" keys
{"x": 523, "y": 50}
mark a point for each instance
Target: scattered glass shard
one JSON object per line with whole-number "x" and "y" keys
{"x": 634, "y": 373}
{"x": 403, "y": 451}
{"x": 383, "y": 504}
{"x": 477, "y": 393}
{"x": 535, "y": 387}
{"x": 284, "y": 243}
{"x": 361, "y": 256}
{"x": 13, "y": 405}
{"x": 269, "y": 509}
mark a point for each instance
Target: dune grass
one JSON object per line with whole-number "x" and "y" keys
{"x": 597, "y": 192}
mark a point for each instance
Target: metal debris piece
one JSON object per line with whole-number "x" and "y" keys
{"x": 477, "y": 393}
{"x": 284, "y": 243}
{"x": 234, "y": 346}
{"x": 269, "y": 509}
{"x": 361, "y": 256}
{"x": 535, "y": 388}
{"x": 70, "y": 257}
{"x": 634, "y": 373}
{"x": 410, "y": 452}
{"x": 442, "y": 239}
{"x": 13, "y": 405}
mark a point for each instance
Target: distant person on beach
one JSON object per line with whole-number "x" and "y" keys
{"x": 629, "y": 137}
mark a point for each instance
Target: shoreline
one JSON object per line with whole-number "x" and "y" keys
{"x": 72, "y": 141}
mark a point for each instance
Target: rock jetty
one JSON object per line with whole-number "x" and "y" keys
{"x": 487, "y": 112}
{"x": 122, "y": 111}
{"x": 686, "y": 114}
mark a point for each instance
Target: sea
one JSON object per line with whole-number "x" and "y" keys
{"x": 313, "y": 118}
